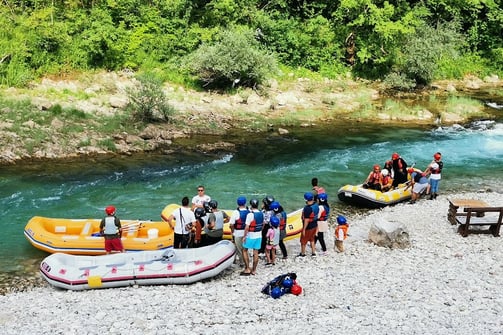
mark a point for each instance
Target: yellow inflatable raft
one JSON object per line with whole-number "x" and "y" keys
{"x": 293, "y": 222}
{"x": 82, "y": 237}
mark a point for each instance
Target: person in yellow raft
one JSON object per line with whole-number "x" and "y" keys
{"x": 110, "y": 228}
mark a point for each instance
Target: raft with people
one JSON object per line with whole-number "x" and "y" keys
{"x": 359, "y": 196}
{"x": 83, "y": 237}
{"x": 157, "y": 267}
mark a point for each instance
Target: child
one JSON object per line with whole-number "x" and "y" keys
{"x": 272, "y": 240}
{"x": 341, "y": 232}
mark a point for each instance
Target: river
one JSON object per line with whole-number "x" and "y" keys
{"x": 142, "y": 185}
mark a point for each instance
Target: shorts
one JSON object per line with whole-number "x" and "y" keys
{"x": 419, "y": 188}
{"x": 308, "y": 236}
{"x": 252, "y": 243}
{"x": 114, "y": 244}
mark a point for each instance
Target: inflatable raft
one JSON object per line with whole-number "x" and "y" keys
{"x": 160, "y": 267}
{"x": 293, "y": 222}
{"x": 82, "y": 237}
{"x": 358, "y": 196}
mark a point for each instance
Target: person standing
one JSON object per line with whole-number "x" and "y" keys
{"x": 310, "y": 224}
{"x": 266, "y": 209}
{"x": 184, "y": 220}
{"x": 214, "y": 229}
{"x": 316, "y": 188}
{"x": 200, "y": 198}
{"x": 272, "y": 240}
{"x": 111, "y": 230}
{"x": 280, "y": 213}
{"x": 435, "y": 170}
{"x": 322, "y": 221}
{"x": 252, "y": 238}
{"x": 399, "y": 166}
{"x": 237, "y": 223}
{"x": 341, "y": 233}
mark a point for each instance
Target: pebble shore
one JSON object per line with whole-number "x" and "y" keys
{"x": 442, "y": 284}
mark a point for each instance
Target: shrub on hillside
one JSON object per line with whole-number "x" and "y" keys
{"x": 236, "y": 59}
{"x": 147, "y": 100}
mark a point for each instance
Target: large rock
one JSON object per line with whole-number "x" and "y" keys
{"x": 389, "y": 234}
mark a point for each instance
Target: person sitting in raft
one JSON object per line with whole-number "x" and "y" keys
{"x": 418, "y": 182}
{"x": 387, "y": 181}
{"x": 374, "y": 179}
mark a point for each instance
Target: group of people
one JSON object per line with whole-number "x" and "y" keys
{"x": 396, "y": 172}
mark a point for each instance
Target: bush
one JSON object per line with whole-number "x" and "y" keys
{"x": 147, "y": 100}
{"x": 235, "y": 60}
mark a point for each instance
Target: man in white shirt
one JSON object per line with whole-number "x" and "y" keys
{"x": 199, "y": 199}
{"x": 184, "y": 221}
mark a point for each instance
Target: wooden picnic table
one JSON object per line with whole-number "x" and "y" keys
{"x": 455, "y": 204}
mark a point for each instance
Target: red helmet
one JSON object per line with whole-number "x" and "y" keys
{"x": 395, "y": 156}
{"x": 437, "y": 156}
{"x": 410, "y": 170}
{"x": 296, "y": 289}
{"x": 376, "y": 166}
{"x": 110, "y": 210}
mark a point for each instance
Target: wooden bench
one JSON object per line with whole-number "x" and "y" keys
{"x": 480, "y": 216}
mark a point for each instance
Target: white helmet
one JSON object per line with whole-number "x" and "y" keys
{"x": 385, "y": 172}
{"x": 434, "y": 166}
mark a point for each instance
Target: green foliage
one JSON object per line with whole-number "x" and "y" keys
{"x": 236, "y": 59}
{"x": 398, "y": 81}
{"x": 147, "y": 100}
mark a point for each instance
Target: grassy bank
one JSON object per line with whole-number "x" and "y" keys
{"x": 89, "y": 114}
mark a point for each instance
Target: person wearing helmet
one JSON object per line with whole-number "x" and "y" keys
{"x": 184, "y": 222}
{"x": 341, "y": 233}
{"x": 322, "y": 221}
{"x": 374, "y": 179}
{"x": 280, "y": 213}
{"x": 214, "y": 229}
{"x": 434, "y": 170}
{"x": 237, "y": 223}
{"x": 266, "y": 209}
{"x": 399, "y": 172}
{"x": 387, "y": 181}
{"x": 200, "y": 198}
{"x": 201, "y": 218}
{"x": 310, "y": 224}
{"x": 252, "y": 238}
{"x": 111, "y": 230}
{"x": 272, "y": 237}
{"x": 418, "y": 182}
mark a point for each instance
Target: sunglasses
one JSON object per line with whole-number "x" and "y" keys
{"x": 200, "y": 190}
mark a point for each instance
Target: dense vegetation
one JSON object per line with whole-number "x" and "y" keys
{"x": 224, "y": 43}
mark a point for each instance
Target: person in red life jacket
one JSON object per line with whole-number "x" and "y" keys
{"x": 322, "y": 221}
{"x": 198, "y": 237}
{"x": 418, "y": 182}
{"x": 374, "y": 179}
{"x": 310, "y": 224}
{"x": 316, "y": 188}
{"x": 399, "y": 173}
{"x": 280, "y": 213}
{"x": 237, "y": 223}
{"x": 252, "y": 238}
{"x": 387, "y": 181}
{"x": 388, "y": 165}
{"x": 434, "y": 170}
{"x": 341, "y": 233}
{"x": 110, "y": 228}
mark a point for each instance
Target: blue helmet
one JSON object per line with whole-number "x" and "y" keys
{"x": 308, "y": 196}
{"x": 241, "y": 201}
{"x": 341, "y": 219}
{"x": 323, "y": 197}
{"x": 274, "y": 221}
{"x": 274, "y": 206}
{"x": 276, "y": 292}
{"x": 287, "y": 282}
